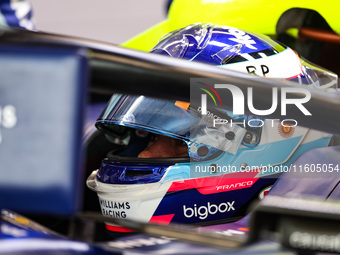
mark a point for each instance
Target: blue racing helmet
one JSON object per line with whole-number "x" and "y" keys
{"x": 243, "y": 51}
{"x": 177, "y": 165}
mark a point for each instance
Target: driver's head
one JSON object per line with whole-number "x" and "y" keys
{"x": 178, "y": 167}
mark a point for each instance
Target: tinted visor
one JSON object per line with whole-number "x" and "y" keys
{"x": 169, "y": 118}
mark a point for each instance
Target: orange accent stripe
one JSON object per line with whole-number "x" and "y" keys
{"x": 183, "y": 105}
{"x": 243, "y": 229}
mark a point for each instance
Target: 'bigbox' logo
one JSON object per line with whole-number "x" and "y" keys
{"x": 203, "y": 212}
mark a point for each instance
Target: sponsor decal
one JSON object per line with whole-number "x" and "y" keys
{"x": 222, "y": 183}
{"x": 114, "y": 209}
{"x": 202, "y": 212}
{"x": 233, "y": 186}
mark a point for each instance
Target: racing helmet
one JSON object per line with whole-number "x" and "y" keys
{"x": 178, "y": 165}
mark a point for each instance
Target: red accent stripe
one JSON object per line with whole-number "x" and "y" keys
{"x": 222, "y": 183}
{"x": 295, "y": 76}
{"x": 118, "y": 229}
{"x": 162, "y": 219}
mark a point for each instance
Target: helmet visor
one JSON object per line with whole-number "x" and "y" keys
{"x": 173, "y": 119}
